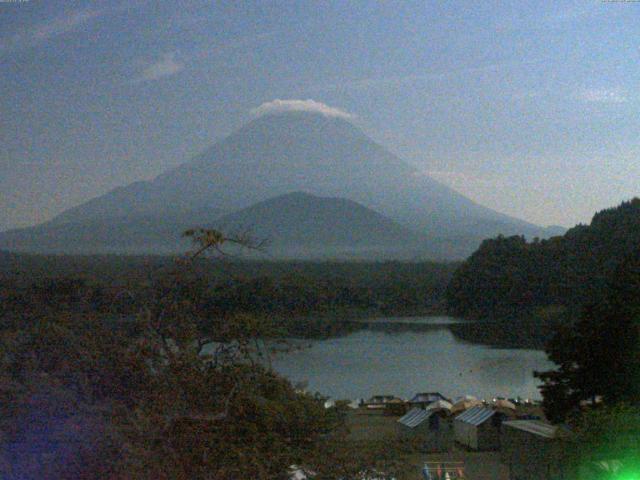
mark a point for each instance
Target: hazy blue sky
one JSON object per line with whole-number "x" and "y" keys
{"x": 531, "y": 108}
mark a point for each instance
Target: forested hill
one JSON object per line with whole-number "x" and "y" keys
{"x": 510, "y": 277}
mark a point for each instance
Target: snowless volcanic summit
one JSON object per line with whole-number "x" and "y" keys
{"x": 282, "y": 151}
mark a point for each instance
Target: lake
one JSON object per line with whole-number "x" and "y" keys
{"x": 403, "y": 356}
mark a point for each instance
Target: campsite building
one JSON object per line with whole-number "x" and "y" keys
{"x": 534, "y": 450}
{"x": 421, "y": 400}
{"x": 380, "y": 401}
{"x": 478, "y": 428}
{"x": 429, "y": 429}
{"x": 396, "y": 407}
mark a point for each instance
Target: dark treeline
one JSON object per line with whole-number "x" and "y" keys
{"x": 579, "y": 294}
{"x": 509, "y": 277}
{"x": 85, "y": 394}
{"x": 593, "y": 388}
{"x": 307, "y": 298}
{"x": 598, "y": 356}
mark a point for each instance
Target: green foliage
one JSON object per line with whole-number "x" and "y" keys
{"x": 308, "y": 299}
{"x": 497, "y": 280}
{"x": 174, "y": 391}
{"x": 610, "y": 435}
{"x": 599, "y": 356}
{"x": 510, "y": 277}
{"x": 145, "y": 407}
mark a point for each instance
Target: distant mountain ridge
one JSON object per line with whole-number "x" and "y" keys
{"x": 301, "y": 218}
{"x": 275, "y": 155}
{"x": 297, "y": 223}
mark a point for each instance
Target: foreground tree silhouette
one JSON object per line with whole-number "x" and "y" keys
{"x": 175, "y": 393}
{"x": 609, "y": 434}
{"x": 598, "y": 358}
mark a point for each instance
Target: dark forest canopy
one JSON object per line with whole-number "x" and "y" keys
{"x": 598, "y": 357}
{"x": 118, "y": 269}
{"x": 82, "y": 398}
{"x": 297, "y": 292}
{"x": 594, "y": 388}
{"x": 511, "y": 277}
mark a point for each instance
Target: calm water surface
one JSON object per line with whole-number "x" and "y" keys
{"x": 403, "y": 362}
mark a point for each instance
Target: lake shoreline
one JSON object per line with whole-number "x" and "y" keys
{"x": 405, "y": 357}
{"x": 530, "y": 334}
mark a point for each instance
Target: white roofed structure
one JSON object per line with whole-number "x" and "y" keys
{"x": 478, "y": 428}
{"x": 429, "y": 429}
{"x": 440, "y": 405}
{"x": 505, "y": 404}
{"x": 465, "y": 404}
{"x": 534, "y": 450}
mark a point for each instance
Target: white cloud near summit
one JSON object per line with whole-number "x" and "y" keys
{"x": 603, "y": 95}
{"x": 37, "y": 34}
{"x": 280, "y": 106}
{"x": 166, "y": 66}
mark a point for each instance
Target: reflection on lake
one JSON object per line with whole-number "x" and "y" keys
{"x": 402, "y": 358}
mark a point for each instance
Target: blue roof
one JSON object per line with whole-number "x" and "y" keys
{"x": 476, "y": 415}
{"x": 415, "y": 417}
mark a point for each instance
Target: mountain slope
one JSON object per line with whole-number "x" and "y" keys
{"x": 320, "y": 226}
{"x": 294, "y": 224}
{"x": 299, "y": 151}
{"x": 132, "y": 234}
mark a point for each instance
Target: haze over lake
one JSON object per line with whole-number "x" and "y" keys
{"x": 403, "y": 362}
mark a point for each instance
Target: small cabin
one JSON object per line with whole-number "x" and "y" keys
{"x": 421, "y": 400}
{"x": 534, "y": 450}
{"x": 429, "y": 430}
{"x": 380, "y": 401}
{"x": 478, "y": 429}
{"x": 396, "y": 407}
